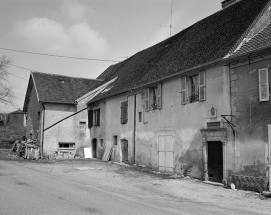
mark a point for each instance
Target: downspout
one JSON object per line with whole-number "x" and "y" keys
{"x": 42, "y": 130}
{"x": 269, "y": 155}
{"x": 134, "y": 130}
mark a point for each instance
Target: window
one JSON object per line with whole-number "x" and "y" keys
{"x": 115, "y": 140}
{"x": 263, "y": 84}
{"x": 66, "y": 145}
{"x": 124, "y": 112}
{"x": 194, "y": 96}
{"x": 82, "y": 126}
{"x": 193, "y": 88}
{"x": 153, "y": 97}
{"x": 140, "y": 116}
{"x": 38, "y": 114}
{"x": 97, "y": 117}
{"x": 102, "y": 142}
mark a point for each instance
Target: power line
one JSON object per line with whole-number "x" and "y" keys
{"x": 31, "y": 70}
{"x": 60, "y": 56}
{"x": 17, "y": 76}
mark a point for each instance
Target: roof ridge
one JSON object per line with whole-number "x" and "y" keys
{"x": 66, "y": 76}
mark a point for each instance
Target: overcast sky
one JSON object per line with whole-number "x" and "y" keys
{"x": 96, "y": 29}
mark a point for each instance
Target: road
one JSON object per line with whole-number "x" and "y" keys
{"x": 27, "y": 188}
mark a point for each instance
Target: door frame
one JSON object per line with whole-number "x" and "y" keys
{"x": 219, "y": 135}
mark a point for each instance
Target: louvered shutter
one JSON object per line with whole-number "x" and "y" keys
{"x": 147, "y": 99}
{"x": 159, "y": 96}
{"x": 183, "y": 89}
{"x": 90, "y": 118}
{"x": 125, "y": 112}
{"x": 121, "y": 112}
{"x": 263, "y": 84}
{"x": 202, "y": 88}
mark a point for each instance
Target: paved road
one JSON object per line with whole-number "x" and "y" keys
{"x": 25, "y": 190}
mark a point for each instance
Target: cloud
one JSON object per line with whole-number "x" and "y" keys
{"x": 53, "y": 37}
{"x": 75, "y": 10}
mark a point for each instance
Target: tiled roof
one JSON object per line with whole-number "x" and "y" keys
{"x": 62, "y": 89}
{"x": 259, "y": 41}
{"x": 207, "y": 40}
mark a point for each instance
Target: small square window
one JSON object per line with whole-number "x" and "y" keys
{"x": 82, "y": 126}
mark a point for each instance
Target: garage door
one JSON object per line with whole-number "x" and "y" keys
{"x": 165, "y": 153}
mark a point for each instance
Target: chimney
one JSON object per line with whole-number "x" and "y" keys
{"x": 227, "y": 3}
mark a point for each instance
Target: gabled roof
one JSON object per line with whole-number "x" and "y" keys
{"x": 54, "y": 88}
{"x": 208, "y": 40}
{"x": 260, "y": 41}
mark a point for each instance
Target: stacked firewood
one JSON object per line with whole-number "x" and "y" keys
{"x": 28, "y": 149}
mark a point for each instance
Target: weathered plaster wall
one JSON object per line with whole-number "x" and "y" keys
{"x": 183, "y": 122}
{"x": 251, "y": 117}
{"x": 67, "y": 131}
{"x": 33, "y": 120}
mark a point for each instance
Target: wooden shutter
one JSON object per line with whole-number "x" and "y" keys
{"x": 202, "y": 91}
{"x": 147, "y": 99}
{"x": 183, "y": 90}
{"x": 121, "y": 112}
{"x": 263, "y": 84}
{"x": 125, "y": 112}
{"x": 90, "y": 118}
{"x": 159, "y": 96}
{"x": 98, "y": 117}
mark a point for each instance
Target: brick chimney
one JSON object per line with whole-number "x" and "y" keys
{"x": 227, "y": 3}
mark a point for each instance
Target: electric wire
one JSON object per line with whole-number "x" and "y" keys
{"x": 60, "y": 56}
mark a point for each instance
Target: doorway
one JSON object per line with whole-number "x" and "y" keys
{"x": 124, "y": 150}
{"x": 94, "y": 148}
{"x": 215, "y": 161}
{"x": 165, "y": 153}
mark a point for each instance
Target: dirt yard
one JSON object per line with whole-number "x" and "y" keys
{"x": 144, "y": 181}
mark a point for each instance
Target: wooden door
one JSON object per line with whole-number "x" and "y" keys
{"x": 165, "y": 153}
{"x": 124, "y": 149}
{"x": 215, "y": 161}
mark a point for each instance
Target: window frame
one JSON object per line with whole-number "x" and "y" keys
{"x": 96, "y": 117}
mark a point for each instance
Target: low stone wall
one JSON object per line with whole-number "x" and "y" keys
{"x": 251, "y": 183}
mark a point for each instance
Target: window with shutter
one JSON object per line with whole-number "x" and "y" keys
{"x": 90, "y": 118}
{"x": 147, "y": 99}
{"x": 159, "y": 96}
{"x": 124, "y": 112}
{"x": 263, "y": 84}
{"x": 183, "y": 89}
{"x": 202, "y": 86}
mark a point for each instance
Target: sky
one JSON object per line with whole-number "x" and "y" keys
{"x": 106, "y": 30}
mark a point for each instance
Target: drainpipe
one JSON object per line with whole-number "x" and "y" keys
{"x": 269, "y": 155}
{"x": 134, "y": 130}
{"x": 42, "y": 130}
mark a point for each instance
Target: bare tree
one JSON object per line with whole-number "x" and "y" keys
{"x": 6, "y": 94}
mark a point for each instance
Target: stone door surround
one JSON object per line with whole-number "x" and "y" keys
{"x": 213, "y": 135}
